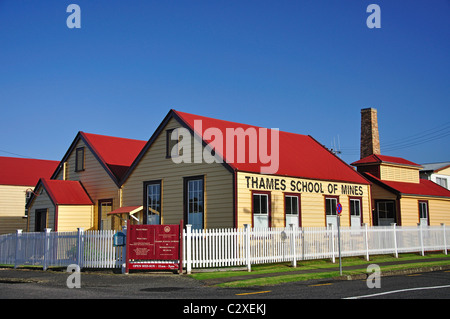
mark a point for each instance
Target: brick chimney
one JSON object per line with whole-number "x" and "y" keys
{"x": 370, "y": 140}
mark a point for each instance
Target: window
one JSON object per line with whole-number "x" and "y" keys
{"x": 172, "y": 140}
{"x": 152, "y": 202}
{"x": 104, "y": 207}
{"x": 292, "y": 209}
{"x": 79, "y": 159}
{"x": 331, "y": 210}
{"x": 355, "y": 212}
{"x": 423, "y": 212}
{"x": 441, "y": 181}
{"x": 194, "y": 201}
{"x": 40, "y": 220}
{"x": 261, "y": 210}
{"x": 386, "y": 213}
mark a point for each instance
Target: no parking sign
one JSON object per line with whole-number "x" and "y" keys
{"x": 339, "y": 208}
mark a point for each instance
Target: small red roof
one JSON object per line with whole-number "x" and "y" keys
{"x": 299, "y": 155}
{"x": 24, "y": 171}
{"x": 376, "y": 158}
{"x": 115, "y": 152}
{"x": 424, "y": 187}
{"x": 63, "y": 192}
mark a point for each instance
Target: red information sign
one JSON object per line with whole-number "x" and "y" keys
{"x": 153, "y": 247}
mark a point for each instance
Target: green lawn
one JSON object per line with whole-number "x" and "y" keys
{"x": 286, "y": 275}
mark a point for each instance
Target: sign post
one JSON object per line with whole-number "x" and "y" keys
{"x": 339, "y": 211}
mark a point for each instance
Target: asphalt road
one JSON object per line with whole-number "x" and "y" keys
{"x": 179, "y": 294}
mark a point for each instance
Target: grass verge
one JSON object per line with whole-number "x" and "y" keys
{"x": 284, "y": 270}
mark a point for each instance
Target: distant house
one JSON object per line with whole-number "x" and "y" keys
{"x": 60, "y": 205}
{"x": 399, "y": 195}
{"x": 437, "y": 172}
{"x": 18, "y": 176}
{"x": 97, "y": 163}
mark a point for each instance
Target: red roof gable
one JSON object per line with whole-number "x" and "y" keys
{"x": 66, "y": 192}
{"x": 299, "y": 155}
{"x": 424, "y": 187}
{"x": 376, "y": 158}
{"x": 24, "y": 171}
{"x": 115, "y": 152}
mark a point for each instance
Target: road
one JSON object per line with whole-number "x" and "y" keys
{"x": 181, "y": 291}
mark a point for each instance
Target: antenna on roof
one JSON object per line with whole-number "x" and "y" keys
{"x": 336, "y": 150}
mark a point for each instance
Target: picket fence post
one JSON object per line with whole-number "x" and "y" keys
{"x": 366, "y": 234}
{"x": 247, "y": 247}
{"x": 394, "y": 229}
{"x": 293, "y": 246}
{"x": 445, "y": 239}
{"x": 421, "y": 238}
{"x": 80, "y": 247}
{"x": 188, "y": 248}
{"x": 18, "y": 248}
{"x": 46, "y": 248}
{"x": 333, "y": 258}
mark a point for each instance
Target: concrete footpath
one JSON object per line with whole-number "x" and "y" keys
{"x": 216, "y": 281}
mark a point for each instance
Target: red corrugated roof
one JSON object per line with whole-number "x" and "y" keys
{"x": 24, "y": 171}
{"x": 376, "y": 158}
{"x": 424, "y": 187}
{"x": 66, "y": 192}
{"x": 116, "y": 152}
{"x": 299, "y": 155}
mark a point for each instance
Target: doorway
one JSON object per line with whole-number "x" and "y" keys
{"x": 386, "y": 212}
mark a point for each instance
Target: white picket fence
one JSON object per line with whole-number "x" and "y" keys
{"x": 225, "y": 247}
{"x": 247, "y": 246}
{"x": 87, "y": 249}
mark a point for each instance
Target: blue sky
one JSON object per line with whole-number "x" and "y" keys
{"x": 304, "y": 66}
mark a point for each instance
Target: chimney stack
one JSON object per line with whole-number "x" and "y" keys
{"x": 370, "y": 140}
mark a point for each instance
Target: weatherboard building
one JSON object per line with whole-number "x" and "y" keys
{"x": 204, "y": 183}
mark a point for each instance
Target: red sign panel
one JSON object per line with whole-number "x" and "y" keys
{"x": 153, "y": 247}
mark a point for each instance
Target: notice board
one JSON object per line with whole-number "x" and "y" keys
{"x": 154, "y": 247}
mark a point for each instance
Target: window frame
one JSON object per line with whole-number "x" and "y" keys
{"x": 145, "y": 200}
{"x": 359, "y": 199}
{"x": 442, "y": 180}
{"x": 83, "y": 157}
{"x": 269, "y": 207}
{"x": 99, "y": 210}
{"x": 169, "y": 142}
{"x": 299, "y": 210}
{"x": 427, "y": 211}
{"x": 186, "y": 181}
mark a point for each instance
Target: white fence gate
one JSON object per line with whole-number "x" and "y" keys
{"x": 90, "y": 249}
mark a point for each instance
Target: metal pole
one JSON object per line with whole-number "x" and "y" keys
{"x": 339, "y": 243}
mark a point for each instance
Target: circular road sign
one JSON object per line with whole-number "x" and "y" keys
{"x": 339, "y": 208}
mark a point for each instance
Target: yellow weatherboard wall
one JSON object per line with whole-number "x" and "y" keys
{"x": 312, "y": 198}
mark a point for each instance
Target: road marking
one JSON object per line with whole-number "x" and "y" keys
{"x": 327, "y": 284}
{"x": 253, "y": 293}
{"x": 414, "y": 275}
{"x": 397, "y": 291}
